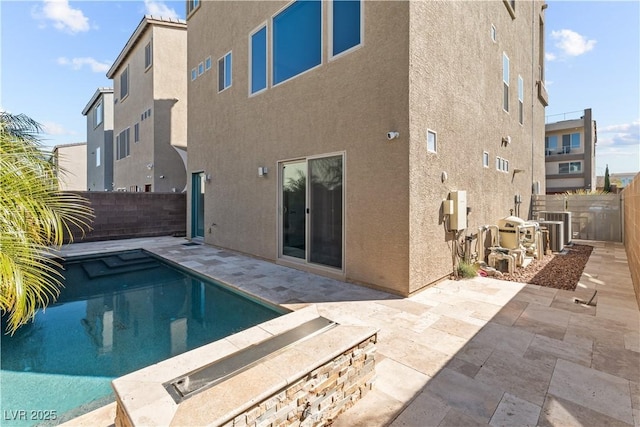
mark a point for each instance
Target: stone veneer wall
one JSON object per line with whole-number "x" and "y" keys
{"x": 123, "y": 215}
{"x": 631, "y": 198}
{"x": 318, "y": 398}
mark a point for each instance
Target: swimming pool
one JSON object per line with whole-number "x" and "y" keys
{"x": 117, "y": 313}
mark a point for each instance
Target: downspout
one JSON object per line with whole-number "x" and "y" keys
{"x": 533, "y": 96}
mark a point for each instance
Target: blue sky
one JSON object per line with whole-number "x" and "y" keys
{"x": 55, "y": 53}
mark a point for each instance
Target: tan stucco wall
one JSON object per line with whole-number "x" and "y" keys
{"x": 456, "y": 91}
{"x": 170, "y": 102}
{"x": 416, "y": 70}
{"x": 161, "y": 88}
{"x": 72, "y": 163}
{"x": 338, "y": 107}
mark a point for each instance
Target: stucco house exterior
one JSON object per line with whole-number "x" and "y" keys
{"x": 99, "y": 113}
{"x": 325, "y": 136}
{"x": 71, "y": 162}
{"x": 570, "y": 154}
{"x": 150, "y": 108}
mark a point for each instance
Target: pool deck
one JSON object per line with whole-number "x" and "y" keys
{"x": 470, "y": 352}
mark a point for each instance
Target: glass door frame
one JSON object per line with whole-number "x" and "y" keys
{"x": 196, "y": 204}
{"x": 280, "y": 214}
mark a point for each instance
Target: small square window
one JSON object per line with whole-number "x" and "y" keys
{"x": 194, "y": 74}
{"x": 201, "y": 68}
{"x": 485, "y": 159}
{"x": 207, "y": 64}
{"x": 432, "y": 141}
{"x": 136, "y": 132}
{"x": 494, "y": 33}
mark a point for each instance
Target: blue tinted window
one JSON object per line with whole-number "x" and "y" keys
{"x": 259, "y": 60}
{"x": 346, "y": 25}
{"x": 227, "y": 70}
{"x": 575, "y": 140}
{"x": 297, "y": 35}
{"x": 224, "y": 72}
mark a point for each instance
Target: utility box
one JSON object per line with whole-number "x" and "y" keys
{"x": 458, "y": 219}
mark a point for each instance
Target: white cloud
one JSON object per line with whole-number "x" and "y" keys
{"x": 550, "y": 56}
{"x": 52, "y": 128}
{"x": 572, "y": 43}
{"x": 159, "y": 9}
{"x": 614, "y": 137}
{"x": 64, "y": 17}
{"x": 77, "y": 63}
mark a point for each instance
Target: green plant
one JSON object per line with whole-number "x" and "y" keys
{"x": 607, "y": 181}
{"x": 34, "y": 215}
{"x": 466, "y": 270}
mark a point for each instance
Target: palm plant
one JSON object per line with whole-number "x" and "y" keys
{"x": 34, "y": 216}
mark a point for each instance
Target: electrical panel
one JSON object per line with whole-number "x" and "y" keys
{"x": 458, "y": 219}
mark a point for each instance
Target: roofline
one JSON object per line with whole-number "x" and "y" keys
{"x": 73, "y": 144}
{"x": 147, "y": 20}
{"x": 94, "y": 98}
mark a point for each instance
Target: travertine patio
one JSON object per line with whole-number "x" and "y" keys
{"x": 470, "y": 352}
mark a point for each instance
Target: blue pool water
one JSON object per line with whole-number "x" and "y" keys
{"x": 117, "y": 313}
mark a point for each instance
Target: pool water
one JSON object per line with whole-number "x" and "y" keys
{"x": 117, "y": 313}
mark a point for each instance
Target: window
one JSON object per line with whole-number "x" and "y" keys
{"x": 194, "y": 74}
{"x": 551, "y": 145}
{"x": 149, "y": 112}
{"x": 97, "y": 157}
{"x": 224, "y": 72}
{"x": 570, "y": 142}
{"x": 485, "y": 159}
{"x": 258, "y": 60}
{"x": 201, "y": 68}
{"x": 432, "y": 143}
{"x": 98, "y": 114}
{"x": 346, "y": 25}
{"x": 520, "y": 100}
{"x": 124, "y": 83}
{"x": 192, "y": 5}
{"x": 505, "y": 80}
{"x": 148, "y": 58}
{"x": 122, "y": 144}
{"x": 494, "y": 33}
{"x": 297, "y": 39}
{"x": 501, "y": 164}
{"x": 136, "y": 132}
{"x": 207, "y": 64}
{"x": 575, "y": 141}
{"x": 570, "y": 167}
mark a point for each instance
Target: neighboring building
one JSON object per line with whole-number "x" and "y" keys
{"x": 99, "y": 113}
{"x": 71, "y": 162}
{"x": 325, "y": 135}
{"x": 619, "y": 180}
{"x": 570, "y": 154}
{"x": 150, "y": 111}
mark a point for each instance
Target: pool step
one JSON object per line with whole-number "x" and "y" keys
{"x": 112, "y": 266}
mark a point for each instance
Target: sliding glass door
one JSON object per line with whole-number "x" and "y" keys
{"x": 311, "y": 211}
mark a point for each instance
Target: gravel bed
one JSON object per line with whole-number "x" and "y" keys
{"x": 560, "y": 271}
